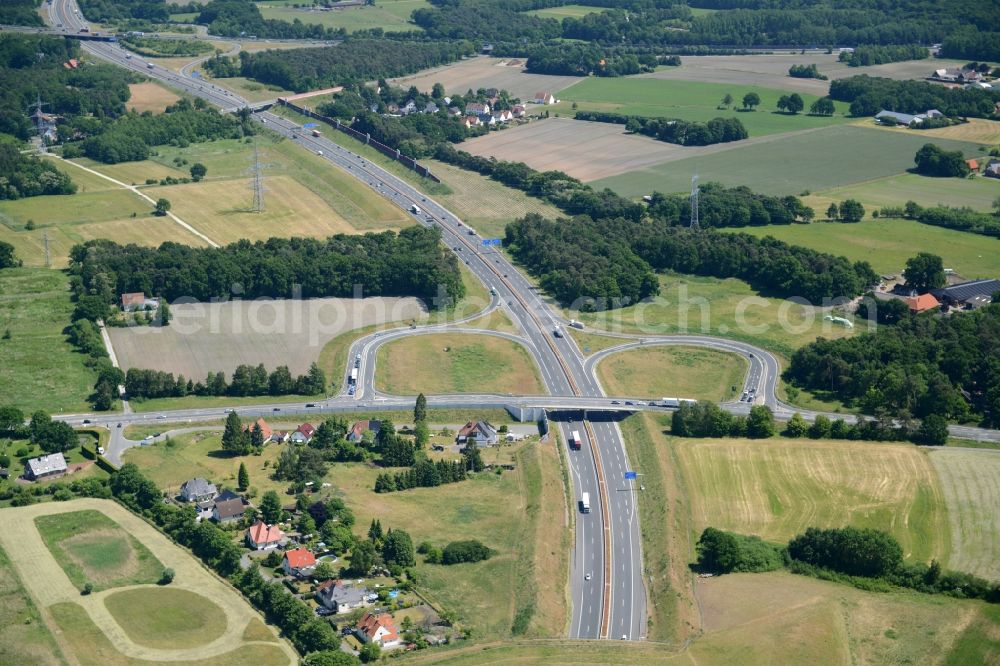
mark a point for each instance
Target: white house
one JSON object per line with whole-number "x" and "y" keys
{"x": 378, "y": 629}
{"x": 544, "y": 98}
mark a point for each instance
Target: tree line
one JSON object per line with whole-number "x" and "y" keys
{"x": 868, "y": 95}
{"x": 588, "y": 59}
{"x": 876, "y": 54}
{"x": 246, "y": 381}
{"x": 721, "y": 206}
{"x": 29, "y": 176}
{"x": 409, "y": 263}
{"x": 920, "y": 367}
{"x": 672, "y": 130}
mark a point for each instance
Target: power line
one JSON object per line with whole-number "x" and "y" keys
{"x": 694, "y": 201}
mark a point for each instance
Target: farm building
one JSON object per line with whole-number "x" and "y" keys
{"x": 894, "y": 118}
{"x": 972, "y": 164}
{"x": 45, "y": 467}
{"x": 198, "y": 490}
{"x": 922, "y": 303}
{"x": 957, "y": 75}
{"x": 968, "y": 295}
{"x": 378, "y": 629}
{"x": 341, "y": 597}
{"x": 299, "y": 562}
{"x": 480, "y": 432}
{"x": 260, "y": 536}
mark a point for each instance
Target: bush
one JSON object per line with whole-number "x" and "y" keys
{"x": 88, "y": 587}
{"x": 167, "y": 576}
{"x": 471, "y": 550}
{"x": 725, "y": 552}
{"x": 856, "y": 552}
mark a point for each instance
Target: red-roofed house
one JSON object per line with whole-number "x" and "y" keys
{"x": 264, "y": 429}
{"x": 262, "y": 537}
{"x": 378, "y": 629}
{"x": 922, "y": 303}
{"x": 133, "y": 301}
{"x": 303, "y": 434}
{"x": 357, "y": 431}
{"x": 972, "y": 164}
{"x": 299, "y": 562}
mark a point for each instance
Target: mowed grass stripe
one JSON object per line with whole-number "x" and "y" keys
{"x": 970, "y": 481}
{"x": 777, "y": 488}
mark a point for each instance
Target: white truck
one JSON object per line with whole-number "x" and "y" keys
{"x": 585, "y": 503}
{"x": 415, "y": 209}
{"x": 576, "y": 324}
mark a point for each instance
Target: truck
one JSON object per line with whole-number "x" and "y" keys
{"x": 576, "y": 324}
{"x": 574, "y": 440}
{"x": 585, "y": 503}
{"x": 354, "y": 375}
{"x": 317, "y": 133}
{"x": 415, "y": 209}
{"x": 670, "y": 402}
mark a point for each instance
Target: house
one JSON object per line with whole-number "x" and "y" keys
{"x": 357, "y": 431}
{"x": 198, "y": 490}
{"x": 933, "y": 113}
{"x": 972, "y": 164}
{"x": 492, "y": 92}
{"x": 487, "y": 48}
{"x": 341, "y": 597}
{"x": 957, "y": 75}
{"x": 260, "y": 536}
{"x": 454, "y": 111}
{"x": 138, "y": 301}
{"x": 431, "y": 108}
{"x": 922, "y": 303}
{"x": 408, "y": 108}
{"x": 894, "y": 118}
{"x": 477, "y": 108}
{"x": 480, "y": 432}
{"x": 992, "y": 169}
{"x": 299, "y": 562}
{"x": 378, "y": 629}
{"x": 228, "y": 510}
{"x": 302, "y": 434}
{"x": 265, "y": 429}
{"x": 487, "y": 119}
{"x": 544, "y": 98}
{"x": 504, "y": 116}
{"x": 471, "y": 121}
{"x": 968, "y": 294}
{"x": 45, "y": 467}
{"x": 518, "y": 111}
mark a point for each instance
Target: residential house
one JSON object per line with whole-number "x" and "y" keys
{"x": 341, "y": 597}
{"x": 957, "y": 75}
{"x": 487, "y": 48}
{"x": 492, "y": 92}
{"x": 198, "y": 490}
{"x": 968, "y": 294}
{"x": 922, "y": 303}
{"x": 260, "y": 536}
{"x": 357, "y": 431}
{"x": 228, "y": 508}
{"x": 544, "y": 98}
{"x": 299, "y": 562}
{"x": 408, "y": 108}
{"x": 504, "y": 116}
{"x": 454, "y": 111}
{"x": 518, "y": 111}
{"x": 992, "y": 169}
{"x": 487, "y": 119}
{"x": 481, "y": 432}
{"x": 431, "y": 108}
{"x": 379, "y": 629}
{"x": 973, "y": 165}
{"x": 471, "y": 121}
{"x": 137, "y": 301}
{"x": 303, "y": 434}
{"x": 45, "y": 467}
{"x": 477, "y": 108}
{"x": 895, "y": 118}
{"x": 265, "y": 429}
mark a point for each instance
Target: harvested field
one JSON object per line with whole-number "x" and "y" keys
{"x": 782, "y": 164}
{"x": 584, "y": 150}
{"x": 689, "y": 372}
{"x": 777, "y": 488}
{"x": 970, "y": 481}
{"x": 978, "y": 130}
{"x": 150, "y": 96}
{"x": 216, "y": 337}
{"x": 486, "y": 72}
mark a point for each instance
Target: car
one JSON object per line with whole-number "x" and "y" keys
{"x": 624, "y": 637}
{"x": 615, "y": 402}
{"x": 119, "y": 425}
{"x": 276, "y": 409}
{"x": 629, "y": 402}
{"x": 162, "y": 416}
{"x": 310, "y": 404}
{"x": 587, "y": 577}
{"x": 320, "y": 153}
{"x": 86, "y": 421}
{"x": 100, "y": 450}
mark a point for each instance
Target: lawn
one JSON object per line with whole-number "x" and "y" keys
{"x": 24, "y": 638}
{"x": 690, "y": 100}
{"x": 90, "y": 547}
{"x": 389, "y": 15}
{"x": 445, "y": 363}
{"x": 149, "y": 96}
{"x": 712, "y": 306}
{"x": 818, "y": 160}
{"x": 970, "y": 481}
{"x": 591, "y": 343}
{"x": 887, "y": 243}
{"x": 977, "y": 193}
{"x": 689, "y": 372}
{"x": 38, "y": 367}
{"x": 559, "y": 13}
{"x": 777, "y": 488}
{"x": 166, "y": 617}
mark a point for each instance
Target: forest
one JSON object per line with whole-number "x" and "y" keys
{"x": 154, "y": 11}
{"x": 410, "y": 263}
{"x": 868, "y": 95}
{"x": 28, "y": 175}
{"x": 948, "y": 366}
{"x": 232, "y": 18}
{"x": 586, "y": 59}
{"x": 962, "y": 219}
{"x": 20, "y": 12}
{"x": 868, "y": 54}
{"x": 672, "y": 130}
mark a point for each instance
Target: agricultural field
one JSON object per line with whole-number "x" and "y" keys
{"x": 150, "y": 96}
{"x": 977, "y": 193}
{"x": 970, "y": 481}
{"x": 389, "y": 15}
{"x": 24, "y": 637}
{"x": 689, "y": 372}
{"x": 779, "y": 164}
{"x": 712, "y": 306}
{"x": 978, "y": 130}
{"x": 39, "y": 369}
{"x": 131, "y": 626}
{"x": 690, "y": 100}
{"x": 888, "y": 243}
{"x": 456, "y": 363}
{"x": 485, "y": 204}
{"x": 777, "y": 488}
{"x": 559, "y": 13}
{"x": 214, "y": 337}
{"x": 486, "y": 72}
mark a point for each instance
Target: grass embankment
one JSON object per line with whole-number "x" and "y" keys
{"x": 165, "y": 617}
{"x": 24, "y": 637}
{"x": 689, "y": 372}
{"x": 448, "y": 363}
{"x": 90, "y": 547}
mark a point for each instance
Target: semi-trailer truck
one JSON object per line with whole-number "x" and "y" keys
{"x": 317, "y": 133}
{"x": 585, "y": 503}
{"x": 574, "y": 440}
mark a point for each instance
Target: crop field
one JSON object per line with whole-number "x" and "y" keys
{"x": 124, "y": 627}
{"x": 978, "y": 130}
{"x": 584, "y": 150}
{"x": 39, "y": 369}
{"x": 559, "y": 13}
{"x": 710, "y": 306}
{"x": 456, "y": 363}
{"x": 689, "y": 372}
{"x": 888, "y": 243}
{"x": 24, "y": 638}
{"x": 817, "y": 160}
{"x": 970, "y": 481}
{"x": 977, "y": 193}
{"x": 486, "y": 72}
{"x": 777, "y": 488}
{"x": 150, "y": 96}
{"x": 485, "y": 204}
{"x": 389, "y": 15}
{"x": 216, "y": 337}
{"x": 690, "y": 100}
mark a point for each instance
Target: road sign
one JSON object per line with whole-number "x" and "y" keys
{"x": 630, "y": 476}
{"x": 195, "y": 74}
{"x": 493, "y": 241}
{"x": 310, "y": 125}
